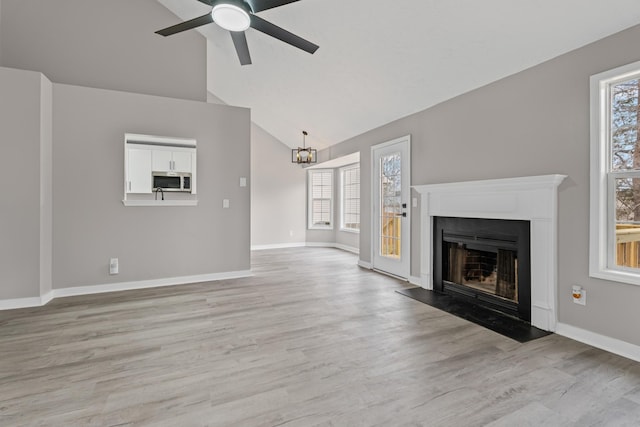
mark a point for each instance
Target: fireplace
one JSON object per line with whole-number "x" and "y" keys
{"x": 533, "y": 199}
{"x": 486, "y": 261}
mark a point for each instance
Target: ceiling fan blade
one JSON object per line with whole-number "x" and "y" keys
{"x": 187, "y": 25}
{"x": 260, "y": 5}
{"x": 240, "y": 42}
{"x": 282, "y": 34}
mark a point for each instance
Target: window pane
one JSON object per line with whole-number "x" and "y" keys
{"x": 321, "y": 212}
{"x": 625, "y": 153}
{"x": 391, "y": 205}
{"x": 321, "y": 193}
{"x": 627, "y": 222}
{"x": 351, "y": 198}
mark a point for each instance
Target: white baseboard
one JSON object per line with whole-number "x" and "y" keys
{"x": 320, "y": 244}
{"x": 415, "y": 280}
{"x": 365, "y": 264}
{"x": 122, "y": 286}
{"x": 306, "y": 244}
{"x": 347, "y": 248}
{"x": 44, "y": 299}
{"x": 278, "y": 246}
{"x": 11, "y": 304}
{"x": 612, "y": 345}
{"x": 333, "y": 245}
{"x": 144, "y": 284}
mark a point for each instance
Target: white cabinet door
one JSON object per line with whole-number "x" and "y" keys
{"x": 162, "y": 160}
{"x": 138, "y": 171}
{"x": 182, "y": 161}
{"x": 171, "y": 161}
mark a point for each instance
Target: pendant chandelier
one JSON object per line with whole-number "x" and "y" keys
{"x": 304, "y": 155}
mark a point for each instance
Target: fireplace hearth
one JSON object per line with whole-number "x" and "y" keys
{"x": 484, "y": 261}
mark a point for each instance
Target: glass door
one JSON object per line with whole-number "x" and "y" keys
{"x": 391, "y": 239}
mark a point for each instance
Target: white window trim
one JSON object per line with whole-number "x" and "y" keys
{"x": 342, "y": 227}
{"x": 310, "y": 225}
{"x": 602, "y": 224}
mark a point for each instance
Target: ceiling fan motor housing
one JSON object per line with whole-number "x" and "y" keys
{"x": 244, "y": 5}
{"x": 232, "y": 15}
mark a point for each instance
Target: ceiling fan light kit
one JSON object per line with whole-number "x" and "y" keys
{"x": 237, "y": 16}
{"x": 231, "y": 17}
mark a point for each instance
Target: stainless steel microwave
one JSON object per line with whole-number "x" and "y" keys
{"x": 172, "y": 181}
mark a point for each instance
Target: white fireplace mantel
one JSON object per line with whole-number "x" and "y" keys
{"x": 533, "y": 198}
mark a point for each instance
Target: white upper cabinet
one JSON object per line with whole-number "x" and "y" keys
{"x": 161, "y": 160}
{"x": 172, "y": 159}
{"x": 182, "y": 161}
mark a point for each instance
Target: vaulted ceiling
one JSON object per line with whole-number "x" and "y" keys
{"x": 382, "y": 60}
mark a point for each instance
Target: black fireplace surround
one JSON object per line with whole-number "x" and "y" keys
{"x": 485, "y": 261}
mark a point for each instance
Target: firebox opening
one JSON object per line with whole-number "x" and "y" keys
{"x": 488, "y": 270}
{"x": 486, "y": 261}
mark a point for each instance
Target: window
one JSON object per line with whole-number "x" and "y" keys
{"x": 350, "y": 198}
{"x": 615, "y": 175}
{"x": 321, "y": 199}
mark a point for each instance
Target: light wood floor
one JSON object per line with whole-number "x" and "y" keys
{"x": 310, "y": 340}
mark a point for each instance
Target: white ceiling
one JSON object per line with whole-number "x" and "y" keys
{"x": 381, "y": 60}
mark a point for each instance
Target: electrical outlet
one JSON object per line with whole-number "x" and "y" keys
{"x": 579, "y": 295}
{"x": 113, "y": 266}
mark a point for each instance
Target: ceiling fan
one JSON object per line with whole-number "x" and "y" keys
{"x": 236, "y": 16}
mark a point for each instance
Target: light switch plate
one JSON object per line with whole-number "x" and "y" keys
{"x": 225, "y": 203}
{"x": 243, "y": 181}
{"x": 414, "y": 202}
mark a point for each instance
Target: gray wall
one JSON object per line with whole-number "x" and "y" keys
{"x": 25, "y": 138}
{"x": 532, "y": 123}
{"x": 70, "y": 151}
{"x": 104, "y": 44}
{"x": 344, "y": 238}
{"x": 46, "y": 185}
{"x": 90, "y": 222}
{"x": 0, "y": 32}
{"x": 278, "y": 193}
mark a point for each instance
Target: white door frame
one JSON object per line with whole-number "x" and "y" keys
{"x": 406, "y": 273}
